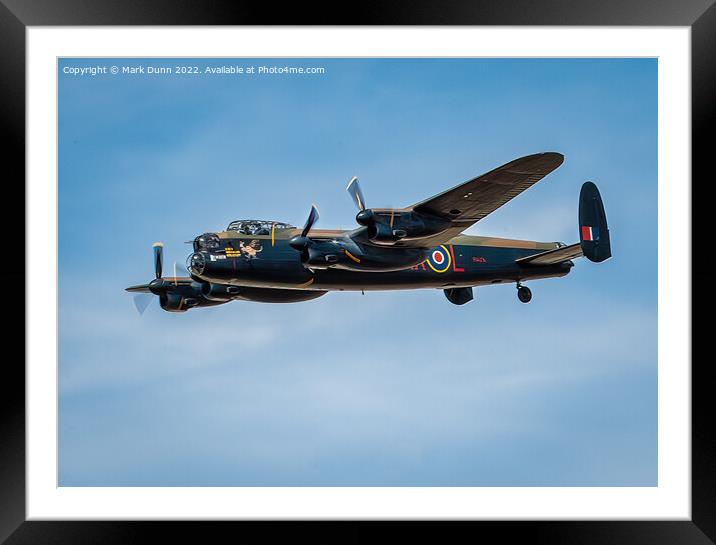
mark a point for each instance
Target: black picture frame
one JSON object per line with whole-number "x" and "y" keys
{"x": 16, "y": 15}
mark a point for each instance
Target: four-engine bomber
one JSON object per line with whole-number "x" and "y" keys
{"x": 420, "y": 246}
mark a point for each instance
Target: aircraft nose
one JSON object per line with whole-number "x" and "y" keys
{"x": 196, "y": 262}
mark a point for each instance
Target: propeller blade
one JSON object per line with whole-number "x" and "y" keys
{"x": 355, "y": 192}
{"x": 312, "y": 218}
{"x": 141, "y": 302}
{"x": 158, "y": 258}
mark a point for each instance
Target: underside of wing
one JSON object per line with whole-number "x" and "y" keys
{"x": 552, "y": 257}
{"x": 473, "y": 200}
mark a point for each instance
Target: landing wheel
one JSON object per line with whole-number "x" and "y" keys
{"x": 524, "y": 294}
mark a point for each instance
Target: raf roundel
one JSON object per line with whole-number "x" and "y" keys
{"x": 440, "y": 259}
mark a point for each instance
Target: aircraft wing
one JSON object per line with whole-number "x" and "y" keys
{"x": 471, "y": 201}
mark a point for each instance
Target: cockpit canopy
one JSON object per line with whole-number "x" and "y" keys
{"x": 257, "y": 227}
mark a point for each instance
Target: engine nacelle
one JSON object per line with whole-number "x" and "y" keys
{"x": 173, "y": 302}
{"x": 274, "y": 295}
{"x": 345, "y": 253}
{"x": 388, "y": 227}
{"x": 349, "y": 256}
{"x": 382, "y": 233}
{"x": 219, "y": 292}
{"x": 323, "y": 254}
{"x": 182, "y": 297}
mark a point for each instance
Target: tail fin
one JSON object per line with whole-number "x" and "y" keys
{"x": 593, "y": 229}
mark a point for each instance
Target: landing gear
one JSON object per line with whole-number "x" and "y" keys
{"x": 524, "y": 294}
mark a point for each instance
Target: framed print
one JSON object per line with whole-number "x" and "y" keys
{"x": 187, "y": 165}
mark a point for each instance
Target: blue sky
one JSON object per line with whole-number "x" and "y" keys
{"x": 385, "y": 389}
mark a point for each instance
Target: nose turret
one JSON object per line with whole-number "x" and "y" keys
{"x": 207, "y": 241}
{"x": 196, "y": 263}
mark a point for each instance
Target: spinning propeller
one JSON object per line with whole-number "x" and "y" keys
{"x": 159, "y": 286}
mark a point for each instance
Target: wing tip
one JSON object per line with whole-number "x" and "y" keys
{"x": 554, "y": 157}
{"x": 542, "y": 163}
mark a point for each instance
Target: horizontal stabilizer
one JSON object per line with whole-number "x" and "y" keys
{"x": 551, "y": 257}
